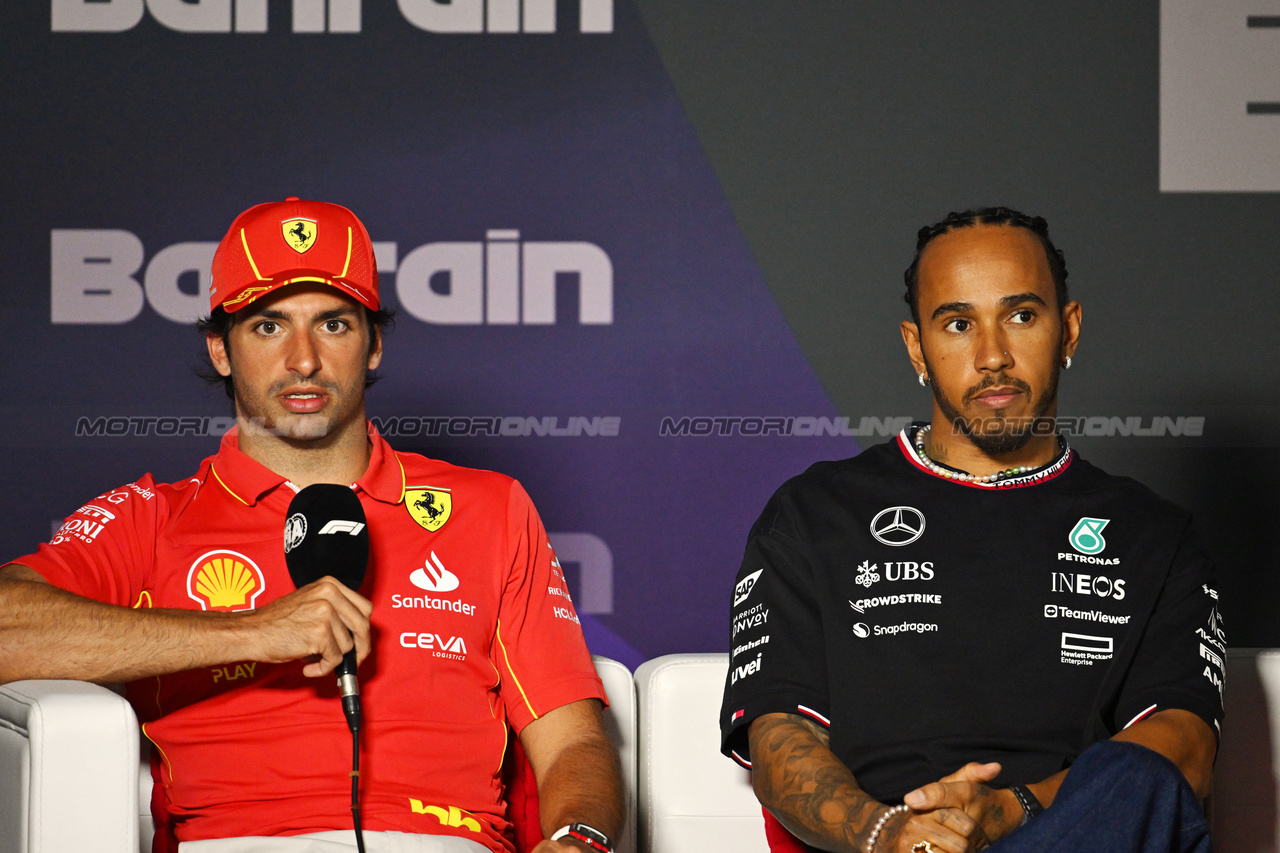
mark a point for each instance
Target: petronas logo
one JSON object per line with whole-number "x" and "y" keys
{"x": 1087, "y": 535}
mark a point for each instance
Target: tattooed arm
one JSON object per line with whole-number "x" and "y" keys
{"x": 815, "y": 796}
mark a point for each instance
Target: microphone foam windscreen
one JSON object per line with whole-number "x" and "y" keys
{"x": 326, "y": 533}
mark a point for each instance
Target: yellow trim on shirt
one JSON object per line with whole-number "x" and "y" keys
{"x": 163, "y": 758}
{"x": 225, "y": 486}
{"x": 404, "y": 483}
{"x": 498, "y": 635}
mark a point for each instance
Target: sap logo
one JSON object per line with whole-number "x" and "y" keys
{"x": 747, "y": 669}
{"x": 1098, "y": 585}
{"x": 318, "y": 16}
{"x": 226, "y": 673}
{"x": 499, "y": 282}
{"x": 453, "y": 816}
{"x": 434, "y": 642}
{"x": 351, "y": 528}
{"x": 742, "y": 591}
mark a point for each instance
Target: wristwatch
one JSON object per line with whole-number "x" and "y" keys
{"x": 588, "y": 835}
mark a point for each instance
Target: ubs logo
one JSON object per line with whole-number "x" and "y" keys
{"x": 898, "y": 525}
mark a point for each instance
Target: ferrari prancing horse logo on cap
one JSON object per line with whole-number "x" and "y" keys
{"x": 300, "y": 234}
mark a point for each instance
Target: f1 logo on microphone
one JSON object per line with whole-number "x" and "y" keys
{"x": 337, "y": 526}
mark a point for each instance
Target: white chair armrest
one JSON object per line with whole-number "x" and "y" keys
{"x": 68, "y": 769}
{"x": 692, "y": 798}
{"x": 620, "y": 723}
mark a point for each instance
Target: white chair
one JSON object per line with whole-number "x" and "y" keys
{"x": 68, "y": 769}
{"x": 620, "y": 722}
{"x": 692, "y": 798}
{"x": 73, "y": 778}
{"x": 1246, "y": 796}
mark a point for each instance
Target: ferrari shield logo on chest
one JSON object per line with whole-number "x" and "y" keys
{"x": 431, "y": 508}
{"x": 300, "y": 234}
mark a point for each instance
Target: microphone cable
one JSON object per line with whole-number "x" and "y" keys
{"x": 355, "y": 787}
{"x": 352, "y": 711}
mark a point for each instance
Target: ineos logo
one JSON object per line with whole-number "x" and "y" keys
{"x": 898, "y": 525}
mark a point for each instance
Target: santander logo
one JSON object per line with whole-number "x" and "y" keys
{"x": 434, "y": 578}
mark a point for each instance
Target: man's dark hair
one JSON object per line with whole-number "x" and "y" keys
{"x": 986, "y": 216}
{"x": 220, "y": 321}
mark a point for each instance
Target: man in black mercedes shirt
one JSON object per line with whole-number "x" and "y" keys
{"x": 970, "y": 636}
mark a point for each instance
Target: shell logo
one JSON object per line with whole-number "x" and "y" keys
{"x": 225, "y": 580}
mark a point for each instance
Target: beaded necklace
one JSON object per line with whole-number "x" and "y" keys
{"x": 963, "y": 476}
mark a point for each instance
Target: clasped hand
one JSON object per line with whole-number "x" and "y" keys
{"x": 958, "y": 813}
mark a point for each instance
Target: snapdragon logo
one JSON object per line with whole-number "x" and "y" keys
{"x": 321, "y": 16}
{"x": 502, "y": 281}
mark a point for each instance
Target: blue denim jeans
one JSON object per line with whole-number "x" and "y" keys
{"x": 1118, "y": 798}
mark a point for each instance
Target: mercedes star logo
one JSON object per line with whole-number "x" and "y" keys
{"x": 898, "y": 525}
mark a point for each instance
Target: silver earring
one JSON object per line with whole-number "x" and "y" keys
{"x": 1066, "y": 365}
{"x": 924, "y": 380}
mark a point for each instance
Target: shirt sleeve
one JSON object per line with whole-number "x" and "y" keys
{"x": 542, "y": 658}
{"x": 777, "y": 660}
{"x": 1180, "y": 661}
{"x": 104, "y": 550}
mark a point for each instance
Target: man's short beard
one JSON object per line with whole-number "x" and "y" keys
{"x": 996, "y": 436}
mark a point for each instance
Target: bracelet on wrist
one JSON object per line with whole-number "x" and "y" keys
{"x": 884, "y": 818}
{"x": 1030, "y": 805}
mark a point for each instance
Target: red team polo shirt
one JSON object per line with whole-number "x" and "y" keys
{"x": 473, "y": 630}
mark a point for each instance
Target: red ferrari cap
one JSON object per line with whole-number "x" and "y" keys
{"x": 292, "y": 241}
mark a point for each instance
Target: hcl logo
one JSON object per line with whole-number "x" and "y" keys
{"x": 501, "y": 281}
{"x": 318, "y": 16}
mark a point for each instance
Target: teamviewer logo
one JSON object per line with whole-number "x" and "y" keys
{"x": 1051, "y": 611}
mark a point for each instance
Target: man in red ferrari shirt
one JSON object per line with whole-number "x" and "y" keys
{"x": 463, "y": 623}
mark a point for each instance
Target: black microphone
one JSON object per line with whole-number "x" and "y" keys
{"x": 325, "y": 533}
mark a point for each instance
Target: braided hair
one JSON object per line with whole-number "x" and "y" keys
{"x": 986, "y": 216}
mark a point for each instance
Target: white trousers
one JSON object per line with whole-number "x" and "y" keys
{"x": 337, "y": 841}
